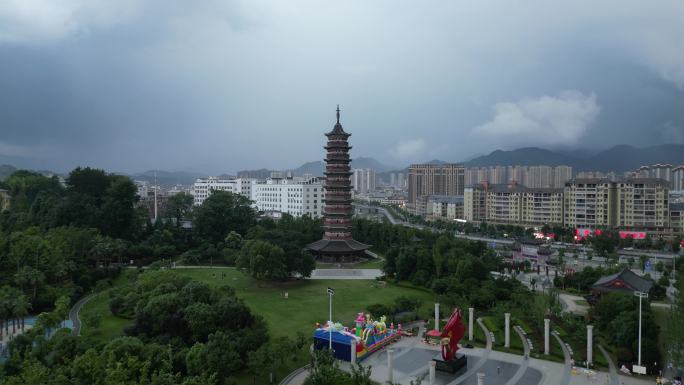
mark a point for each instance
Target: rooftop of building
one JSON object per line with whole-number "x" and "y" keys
{"x": 614, "y": 282}
{"x": 435, "y": 165}
{"x": 446, "y": 198}
{"x": 337, "y": 246}
{"x": 517, "y": 188}
{"x": 644, "y": 181}
{"x": 588, "y": 181}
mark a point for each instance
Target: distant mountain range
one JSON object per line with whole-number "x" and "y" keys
{"x": 318, "y": 167}
{"x": 168, "y": 178}
{"x": 619, "y": 158}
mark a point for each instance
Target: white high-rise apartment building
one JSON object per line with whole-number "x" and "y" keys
{"x": 204, "y": 186}
{"x": 678, "y": 178}
{"x": 363, "y": 180}
{"x": 294, "y": 196}
{"x": 561, "y": 174}
{"x": 539, "y": 177}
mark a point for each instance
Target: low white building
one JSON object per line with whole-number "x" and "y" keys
{"x": 204, "y": 186}
{"x": 294, "y": 196}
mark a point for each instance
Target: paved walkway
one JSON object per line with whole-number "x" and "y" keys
{"x": 74, "y": 316}
{"x": 565, "y": 380}
{"x": 525, "y": 362}
{"x": 570, "y": 304}
{"x": 612, "y": 370}
{"x": 346, "y": 274}
{"x": 483, "y": 359}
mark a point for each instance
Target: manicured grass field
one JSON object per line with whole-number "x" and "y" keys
{"x": 111, "y": 325}
{"x": 307, "y": 301}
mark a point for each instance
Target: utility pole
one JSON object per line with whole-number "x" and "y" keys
{"x": 331, "y": 292}
{"x": 155, "y": 196}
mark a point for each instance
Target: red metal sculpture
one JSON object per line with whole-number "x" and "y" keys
{"x": 451, "y": 335}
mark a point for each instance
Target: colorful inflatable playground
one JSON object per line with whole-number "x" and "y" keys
{"x": 366, "y": 337}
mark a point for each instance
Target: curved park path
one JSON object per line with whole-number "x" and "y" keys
{"x": 565, "y": 380}
{"x": 525, "y": 361}
{"x": 612, "y": 370}
{"x": 74, "y": 313}
{"x": 485, "y": 356}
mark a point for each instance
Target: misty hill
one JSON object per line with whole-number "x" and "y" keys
{"x": 527, "y": 156}
{"x": 6, "y": 170}
{"x": 317, "y": 168}
{"x": 168, "y": 178}
{"x": 619, "y": 158}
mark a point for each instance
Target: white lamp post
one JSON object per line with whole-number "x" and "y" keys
{"x": 331, "y": 291}
{"x": 641, "y": 295}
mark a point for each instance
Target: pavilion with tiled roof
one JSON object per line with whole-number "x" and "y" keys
{"x": 625, "y": 281}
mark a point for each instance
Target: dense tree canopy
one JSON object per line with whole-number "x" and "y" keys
{"x": 222, "y": 213}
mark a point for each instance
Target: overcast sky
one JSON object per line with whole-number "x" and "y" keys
{"x": 219, "y": 86}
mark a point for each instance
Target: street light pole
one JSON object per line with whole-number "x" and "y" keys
{"x": 641, "y": 295}
{"x": 331, "y": 291}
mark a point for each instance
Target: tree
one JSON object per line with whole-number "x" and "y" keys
{"x": 221, "y": 213}
{"x": 642, "y": 261}
{"x": 263, "y": 260}
{"x": 29, "y": 276}
{"x": 62, "y": 306}
{"x": 21, "y": 307}
{"x": 179, "y": 207}
{"x": 361, "y": 375}
{"x": 324, "y": 370}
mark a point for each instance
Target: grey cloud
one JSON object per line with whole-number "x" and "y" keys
{"x": 224, "y": 85}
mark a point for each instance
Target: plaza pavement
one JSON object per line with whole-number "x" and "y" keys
{"x": 412, "y": 358}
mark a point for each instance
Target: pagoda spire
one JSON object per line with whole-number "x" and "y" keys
{"x": 338, "y": 114}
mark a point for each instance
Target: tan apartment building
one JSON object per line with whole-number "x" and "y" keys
{"x": 677, "y": 217}
{"x": 475, "y": 203}
{"x": 642, "y": 204}
{"x": 589, "y": 203}
{"x": 513, "y": 204}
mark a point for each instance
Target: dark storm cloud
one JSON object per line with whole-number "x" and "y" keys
{"x": 225, "y": 85}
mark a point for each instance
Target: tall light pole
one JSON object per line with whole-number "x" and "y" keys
{"x": 641, "y": 295}
{"x": 331, "y": 292}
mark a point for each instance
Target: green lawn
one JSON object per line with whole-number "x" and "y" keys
{"x": 661, "y": 317}
{"x": 111, "y": 325}
{"x": 307, "y": 301}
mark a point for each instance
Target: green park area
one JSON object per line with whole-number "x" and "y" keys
{"x": 306, "y": 302}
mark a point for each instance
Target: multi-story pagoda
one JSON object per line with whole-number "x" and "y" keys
{"x": 337, "y": 244}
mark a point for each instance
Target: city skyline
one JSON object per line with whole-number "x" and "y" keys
{"x": 197, "y": 87}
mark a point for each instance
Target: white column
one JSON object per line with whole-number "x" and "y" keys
{"x": 590, "y": 341}
{"x": 470, "y": 323}
{"x": 480, "y": 378}
{"x": 353, "y": 351}
{"x": 433, "y": 366}
{"x": 436, "y": 316}
{"x": 546, "y": 335}
{"x": 507, "y": 332}
{"x": 390, "y": 368}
